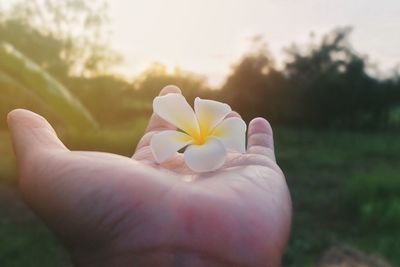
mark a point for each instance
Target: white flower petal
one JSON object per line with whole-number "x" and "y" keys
{"x": 166, "y": 143}
{"x": 174, "y": 109}
{"x": 232, "y": 133}
{"x": 209, "y": 113}
{"x": 206, "y": 157}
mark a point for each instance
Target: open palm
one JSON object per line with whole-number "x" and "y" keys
{"x": 110, "y": 210}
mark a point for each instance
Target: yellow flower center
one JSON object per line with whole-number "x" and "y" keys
{"x": 199, "y": 136}
{"x": 200, "y": 139}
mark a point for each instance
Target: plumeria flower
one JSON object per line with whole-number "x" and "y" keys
{"x": 205, "y": 132}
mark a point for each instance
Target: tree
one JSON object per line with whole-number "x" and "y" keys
{"x": 64, "y": 37}
{"x": 255, "y": 86}
{"x": 331, "y": 87}
{"x": 157, "y": 76}
{"x": 325, "y": 84}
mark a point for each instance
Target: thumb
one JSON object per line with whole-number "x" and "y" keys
{"x": 31, "y": 133}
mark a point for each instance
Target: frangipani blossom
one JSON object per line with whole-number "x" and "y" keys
{"x": 205, "y": 132}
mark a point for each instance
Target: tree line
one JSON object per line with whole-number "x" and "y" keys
{"x": 323, "y": 85}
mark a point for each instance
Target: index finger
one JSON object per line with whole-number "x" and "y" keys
{"x": 156, "y": 123}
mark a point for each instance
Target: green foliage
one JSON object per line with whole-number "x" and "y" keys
{"x": 45, "y": 50}
{"x": 64, "y": 37}
{"x": 325, "y": 85}
{"x": 14, "y": 94}
{"x": 27, "y": 244}
{"x": 111, "y": 100}
{"x": 149, "y": 83}
{"x": 7, "y": 161}
{"x": 394, "y": 116}
{"x": 120, "y": 141}
{"x": 31, "y": 77}
{"x": 374, "y": 197}
{"x": 333, "y": 86}
{"x": 344, "y": 189}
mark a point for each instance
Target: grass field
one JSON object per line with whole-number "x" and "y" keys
{"x": 345, "y": 189}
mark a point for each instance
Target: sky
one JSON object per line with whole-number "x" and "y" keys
{"x": 208, "y": 36}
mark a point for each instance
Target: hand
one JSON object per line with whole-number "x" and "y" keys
{"x": 110, "y": 210}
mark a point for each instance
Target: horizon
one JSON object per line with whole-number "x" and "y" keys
{"x": 210, "y": 45}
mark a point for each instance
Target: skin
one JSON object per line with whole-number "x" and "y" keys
{"x": 110, "y": 210}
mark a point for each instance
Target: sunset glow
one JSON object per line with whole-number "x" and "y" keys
{"x": 208, "y": 36}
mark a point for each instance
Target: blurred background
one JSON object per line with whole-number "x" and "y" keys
{"x": 326, "y": 74}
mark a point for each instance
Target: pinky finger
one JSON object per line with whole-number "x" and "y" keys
{"x": 260, "y": 138}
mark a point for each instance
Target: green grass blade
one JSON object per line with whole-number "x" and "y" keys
{"x": 48, "y": 89}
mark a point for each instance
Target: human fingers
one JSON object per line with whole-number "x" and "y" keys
{"x": 156, "y": 123}
{"x": 260, "y": 138}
